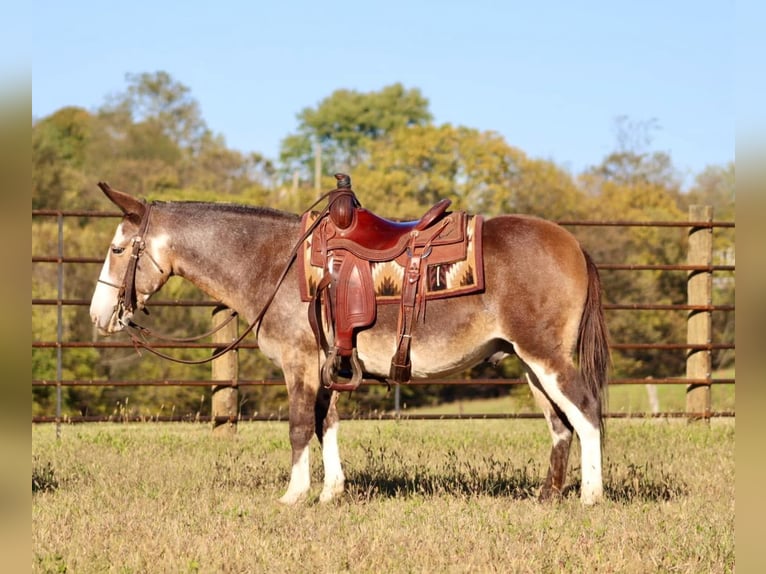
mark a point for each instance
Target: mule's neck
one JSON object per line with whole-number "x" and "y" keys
{"x": 235, "y": 254}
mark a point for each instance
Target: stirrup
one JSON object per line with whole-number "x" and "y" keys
{"x": 330, "y": 372}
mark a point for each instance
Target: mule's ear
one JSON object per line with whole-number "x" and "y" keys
{"x": 127, "y": 203}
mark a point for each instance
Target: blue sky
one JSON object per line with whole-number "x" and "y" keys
{"x": 550, "y": 77}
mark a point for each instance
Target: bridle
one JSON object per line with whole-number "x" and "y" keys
{"x": 127, "y": 301}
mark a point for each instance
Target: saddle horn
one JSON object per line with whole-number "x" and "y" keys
{"x": 343, "y": 202}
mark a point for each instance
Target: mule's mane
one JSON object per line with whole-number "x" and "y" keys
{"x": 236, "y": 208}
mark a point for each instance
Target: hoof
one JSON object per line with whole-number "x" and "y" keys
{"x": 549, "y": 495}
{"x": 290, "y": 499}
{"x": 591, "y": 498}
{"x": 330, "y": 492}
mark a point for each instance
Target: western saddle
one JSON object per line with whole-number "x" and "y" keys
{"x": 346, "y": 240}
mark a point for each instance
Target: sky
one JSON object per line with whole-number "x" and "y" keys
{"x": 551, "y": 77}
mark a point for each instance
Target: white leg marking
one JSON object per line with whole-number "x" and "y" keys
{"x": 590, "y": 436}
{"x": 334, "y": 479}
{"x": 300, "y": 480}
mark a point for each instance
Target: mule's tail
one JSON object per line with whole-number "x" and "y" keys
{"x": 593, "y": 342}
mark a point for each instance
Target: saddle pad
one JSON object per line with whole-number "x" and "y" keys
{"x": 444, "y": 279}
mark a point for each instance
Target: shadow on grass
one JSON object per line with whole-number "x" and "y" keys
{"x": 367, "y": 485}
{"x": 642, "y": 483}
{"x": 635, "y": 483}
{"x": 386, "y": 476}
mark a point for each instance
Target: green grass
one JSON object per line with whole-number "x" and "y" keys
{"x": 622, "y": 399}
{"x": 422, "y": 496}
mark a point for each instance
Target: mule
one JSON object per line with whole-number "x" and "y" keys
{"x": 541, "y": 301}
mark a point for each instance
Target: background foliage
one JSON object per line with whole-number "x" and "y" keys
{"x": 152, "y": 140}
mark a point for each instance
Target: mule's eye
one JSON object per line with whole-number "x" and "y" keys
{"x": 118, "y": 250}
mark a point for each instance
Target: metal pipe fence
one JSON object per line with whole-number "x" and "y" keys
{"x": 693, "y": 380}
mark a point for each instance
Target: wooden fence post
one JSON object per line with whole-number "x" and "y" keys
{"x": 225, "y": 368}
{"x": 699, "y": 328}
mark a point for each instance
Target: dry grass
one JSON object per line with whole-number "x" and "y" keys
{"x": 422, "y": 496}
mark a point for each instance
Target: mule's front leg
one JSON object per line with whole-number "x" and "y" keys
{"x": 301, "y": 431}
{"x": 327, "y": 422}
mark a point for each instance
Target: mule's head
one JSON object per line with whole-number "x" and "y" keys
{"x": 124, "y": 287}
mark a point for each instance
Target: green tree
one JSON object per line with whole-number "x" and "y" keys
{"x": 633, "y": 160}
{"x": 59, "y": 149}
{"x": 158, "y": 98}
{"x": 636, "y": 183}
{"x": 218, "y": 172}
{"x": 343, "y": 123}
{"x": 715, "y": 186}
{"x": 410, "y": 169}
{"x": 644, "y": 188}
{"x": 150, "y": 141}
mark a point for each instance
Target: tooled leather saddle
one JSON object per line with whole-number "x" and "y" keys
{"x": 351, "y": 244}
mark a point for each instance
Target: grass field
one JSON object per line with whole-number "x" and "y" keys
{"x": 622, "y": 399}
{"x": 422, "y": 496}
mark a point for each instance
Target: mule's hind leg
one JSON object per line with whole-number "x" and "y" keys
{"x": 561, "y": 434}
{"x": 564, "y": 387}
{"x": 326, "y": 421}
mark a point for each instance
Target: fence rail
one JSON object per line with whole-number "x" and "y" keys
{"x": 699, "y": 265}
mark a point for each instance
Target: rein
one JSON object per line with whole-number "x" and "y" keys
{"x": 127, "y": 293}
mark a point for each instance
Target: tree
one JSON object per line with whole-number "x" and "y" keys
{"x": 152, "y": 142}
{"x": 59, "y": 148}
{"x": 634, "y": 183}
{"x": 158, "y": 98}
{"x": 716, "y": 186}
{"x": 633, "y": 161}
{"x": 218, "y": 171}
{"x": 345, "y": 122}
{"x": 411, "y": 168}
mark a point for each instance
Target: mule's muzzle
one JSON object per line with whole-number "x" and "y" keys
{"x": 119, "y": 319}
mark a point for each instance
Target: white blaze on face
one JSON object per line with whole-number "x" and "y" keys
{"x": 104, "y": 299}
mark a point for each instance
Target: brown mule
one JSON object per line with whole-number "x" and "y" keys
{"x": 541, "y": 301}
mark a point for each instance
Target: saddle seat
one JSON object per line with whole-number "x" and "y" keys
{"x": 378, "y": 237}
{"x": 370, "y": 237}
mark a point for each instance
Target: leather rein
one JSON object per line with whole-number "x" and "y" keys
{"x": 127, "y": 300}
